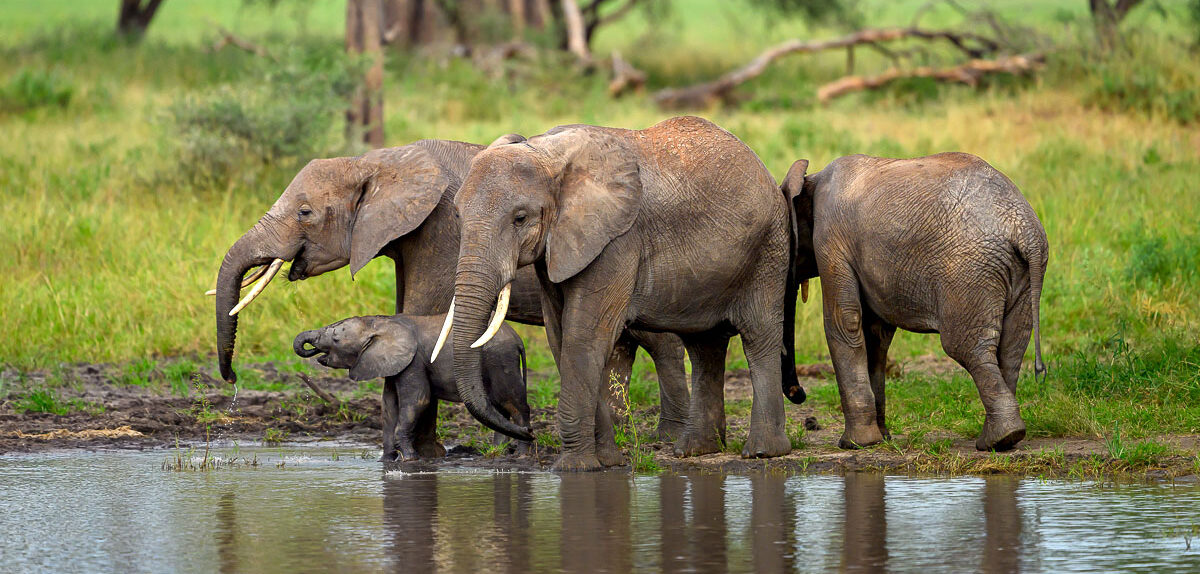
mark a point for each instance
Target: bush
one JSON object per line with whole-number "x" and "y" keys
{"x": 1153, "y": 75}
{"x": 31, "y": 89}
{"x": 285, "y": 114}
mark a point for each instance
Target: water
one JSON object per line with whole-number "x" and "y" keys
{"x": 121, "y": 512}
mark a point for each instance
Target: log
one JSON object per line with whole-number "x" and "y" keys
{"x": 625, "y": 77}
{"x": 228, "y": 38}
{"x": 704, "y": 95}
{"x": 328, "y": 398}
{"x": 968, "y": 73}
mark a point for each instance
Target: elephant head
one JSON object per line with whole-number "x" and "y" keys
{"x": 556, "y": 200}
{"x": 335, "y": 212}
{"x": 371, "y": 347}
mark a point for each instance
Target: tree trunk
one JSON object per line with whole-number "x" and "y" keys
{"x": 576, "y": 38}
{"x": 364, "y": 118}
{"x": 135, "y": 17}
{"x": 1107, "y": 17}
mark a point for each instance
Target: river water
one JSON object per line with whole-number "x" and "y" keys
{"x": 304, "y": 509}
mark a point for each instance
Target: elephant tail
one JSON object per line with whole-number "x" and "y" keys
{"x": 791, "y": 383}
{"x": 524, "y": 371}
{"x": 1032, "y": 246}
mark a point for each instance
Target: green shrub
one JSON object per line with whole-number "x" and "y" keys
{"x": 31, "y": 89}
{"x": 1154, "y": 75}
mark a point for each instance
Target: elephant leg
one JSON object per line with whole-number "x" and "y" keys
{"x": 666, "y": 350}
{"x": 1014, "y": 339}
{"x": 413, "y": 398}
{"x": 616, "y": 382}
{"x": 705, "y": 431}
{"x": 425, "y": 433}
{"x": 878, "y": 338}
{"x": 390, "y": 408}
{"x": 847, "y": 349}
{"x": 975, "y": 348}
{"x": 588, "y": 336}
{"x": 768, "y": 435}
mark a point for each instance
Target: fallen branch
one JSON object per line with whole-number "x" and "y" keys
{"x": 968, "y": 73}
{"x": 703, "y": 95}
{"x": 228, "y": 38}
{"x": 332, "y": 400}
{"x": 625, "y": 77}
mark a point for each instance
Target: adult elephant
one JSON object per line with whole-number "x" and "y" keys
{"x": 398, "y": 202}
{"x": 677, "y": 228}
{"x": 938, "y": 244}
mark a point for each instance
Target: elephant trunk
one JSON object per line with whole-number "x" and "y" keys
{"x": 475, "y": 294}
{"x": 256, "y": 247}
{"x": 308, "y": 338}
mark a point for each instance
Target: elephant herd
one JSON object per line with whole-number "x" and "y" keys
{"x": 672, "y": 237}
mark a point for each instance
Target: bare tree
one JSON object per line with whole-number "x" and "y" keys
{"x": 135, "y": 17}
{"x": 1107, "y": 16}
{"x": 364, "y": 26}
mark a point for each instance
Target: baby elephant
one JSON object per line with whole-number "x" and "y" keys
{"x": 939, "y": 244}
{"x": 398, "y": 348}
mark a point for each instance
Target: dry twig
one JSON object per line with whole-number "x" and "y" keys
{"x": 332, "y": 400}
{"x": 968, "y": 73}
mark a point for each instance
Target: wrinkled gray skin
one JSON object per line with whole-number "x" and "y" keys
{"x": 398, "y": 202}
{"x": 676, "y": 228}
{"x": 397, "y": 348}
{"x": 939, "y": 244}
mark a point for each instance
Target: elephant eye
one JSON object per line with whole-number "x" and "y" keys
{"x": 519, "y": 219}
{"x": 305, "y": 212}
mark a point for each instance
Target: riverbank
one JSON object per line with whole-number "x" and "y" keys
{"x": 91, "y": 406}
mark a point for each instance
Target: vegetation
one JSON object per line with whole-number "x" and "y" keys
{"x": 131, "y": 168}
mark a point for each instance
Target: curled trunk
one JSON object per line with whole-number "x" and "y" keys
{"x": 475, "y": 297}
{"x": 307, "y": 338}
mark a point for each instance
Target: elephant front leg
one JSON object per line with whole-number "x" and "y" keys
{"x": 705, "y": 431}
{"x": 585, "y": 350}
{"x": 425, "y": 433}
{"x": 390, "y": 410}
{"x": 413, "y": 398}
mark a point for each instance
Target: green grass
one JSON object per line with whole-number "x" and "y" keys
{"x": 110, "y": 237}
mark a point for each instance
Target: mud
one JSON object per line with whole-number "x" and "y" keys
{"x": 109, "y": 413}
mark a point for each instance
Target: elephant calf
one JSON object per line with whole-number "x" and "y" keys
{"x": 939, "y": 244}
{"x": 399, "y": 348}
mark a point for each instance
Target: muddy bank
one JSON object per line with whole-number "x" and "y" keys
{"x": 102, "y": 410}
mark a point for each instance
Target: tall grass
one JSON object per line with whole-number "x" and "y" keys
{"x": 107, "y": 249}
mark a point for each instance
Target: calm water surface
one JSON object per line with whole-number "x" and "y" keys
{"x": 121, "y": 512}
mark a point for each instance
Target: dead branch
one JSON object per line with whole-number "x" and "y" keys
{"x": 703, "y": 95}
{"x": 625, "y": 77}
{"x": 332, "y": 400}
{"x": 968, "y": 73}
{"x": 227, "y": 38}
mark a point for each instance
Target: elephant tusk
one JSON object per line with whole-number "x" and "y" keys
{"x": 245, "y": 282}
{"x": 804, "y": 291}
{"x": 258, "y": 287}
{"x": 497, "y": 317}
{"x": 445, "y": 332}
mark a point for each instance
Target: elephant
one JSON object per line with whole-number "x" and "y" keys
{"x": 398, "y": 202}
{"x": 399, "y": 348}
{"x": 676, "y": 228}
{"x": 938, "y": 244}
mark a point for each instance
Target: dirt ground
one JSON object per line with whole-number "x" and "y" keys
{"x": 145, "y": 417}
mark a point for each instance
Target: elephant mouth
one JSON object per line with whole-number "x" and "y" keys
{"x": 299, "y": 269}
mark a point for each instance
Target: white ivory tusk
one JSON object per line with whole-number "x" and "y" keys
{"x": 245, "y": 282}
{"x": 258, "y": 287}
{"x": 445, "y": 332}
{"x": 497, "y": 317}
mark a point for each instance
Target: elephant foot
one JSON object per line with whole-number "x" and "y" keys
{"x": 387, "y": 456}
{"x": 670, "y": 431}
{"x": 691, "y": 444}
{"x": 523, "y": 448}
{"x": 858, "y": 437}
{"x": 609, "y": 455}
{"x": 576, "y": 462}
{"x": 431, "y": 449}
{"x": 766, "y": 444}
{"x": 1000, "y": 433}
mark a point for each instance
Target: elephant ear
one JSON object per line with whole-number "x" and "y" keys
{"x": 793, "y": 182}
{"x": 389, "y": 350}
{"x": 600, "y": 192}
{"x": 401, "y": 186}
{"x": 507, "y": 139}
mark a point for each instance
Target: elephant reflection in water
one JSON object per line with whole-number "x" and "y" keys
{"x": 421, "y": 542}
{"x": 596, "y": 520}
{"x": 864, "y": 537}
{"x": 1002, "y": 525}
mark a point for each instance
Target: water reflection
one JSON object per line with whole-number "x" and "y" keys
{"x": 319, "y": 514}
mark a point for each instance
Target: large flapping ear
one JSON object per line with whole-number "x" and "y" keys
{"x": 390, "y": 348}
{"x": 599, "y": 198}
{"x": 507, "y": 139}
{"x": 401, "y": 186}
{"x": 793, "y": 182}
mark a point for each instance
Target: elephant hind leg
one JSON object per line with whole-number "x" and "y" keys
{"x": 666, "y": 350}
{"x": 425, "y": 433}
{"x": 1014, "y": 339}
{"x": 975, "y": 348}
{"x": 768, "y": 437}
{"x": 842, "y": 309}
{"x": 878, "y": 335}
